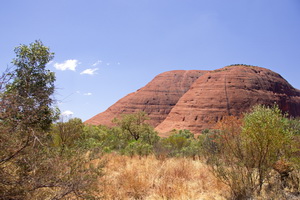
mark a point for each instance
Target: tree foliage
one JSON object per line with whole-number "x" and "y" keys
{"x": 31, "y": 167}
{"x": 65, "y": 134}
{"x": 30, "y": 92}
{"x": 134, "y": 126}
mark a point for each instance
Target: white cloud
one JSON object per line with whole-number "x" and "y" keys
{"x": 97, "y": 63}
{"x": 67, "y": 65}
{"x": 87, "y": 94}
{"x": 67, "y": 113}
{"x": 89, "y": 71}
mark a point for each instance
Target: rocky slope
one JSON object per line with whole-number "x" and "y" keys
{"x": 196, "y": 100}
{"x": 231, "y": 90}
{"x": 157, "y": 98}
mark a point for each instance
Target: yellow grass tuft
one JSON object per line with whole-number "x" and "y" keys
{"x": 150, "y": 178}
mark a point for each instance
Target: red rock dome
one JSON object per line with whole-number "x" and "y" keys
{"x": 196, "y": 99}
{"x": 231, "y": 90}
{"x": 157, "y": 98}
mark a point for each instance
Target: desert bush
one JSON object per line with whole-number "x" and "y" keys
{"x": 92, "y": 136}
{"x": 179, "y": 143}
{"x": 267, "y": 138}
{"x": 248, "y": 150}
{"x": 138, "y": 148}
{"x": 208, "y": 140}
{"x": 65, "y": 134}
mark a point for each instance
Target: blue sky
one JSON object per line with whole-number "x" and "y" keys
{"x": 105, "y": 49}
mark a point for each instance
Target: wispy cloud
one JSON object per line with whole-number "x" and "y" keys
{"x": 67, "y": 113}
{"x": 49, "y": 63}
{"x": 97, "y": 63}
{"x": 90, "y": 71}
{"x": 67, "y": 65}
{"x": 87, "y": 94}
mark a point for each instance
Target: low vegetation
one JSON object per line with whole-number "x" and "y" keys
{"x": 152, "y": 178}
{"x": 257, "y": 156}
{"x": 41, "y": 157}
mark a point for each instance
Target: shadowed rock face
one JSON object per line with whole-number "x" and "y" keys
{"x": 157, "y": 98}
{"x": 196, "y": 100}
{"x": 231, "y": 90}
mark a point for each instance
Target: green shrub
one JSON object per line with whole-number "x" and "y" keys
{"x": 179, "y": 143}
{"x": 138, "y": 148}
{"x": 248, "y": 150}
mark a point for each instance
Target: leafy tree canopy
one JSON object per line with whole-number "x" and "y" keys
{"x": 32, "y": 86}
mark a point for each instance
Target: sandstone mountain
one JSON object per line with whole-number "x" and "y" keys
{"x": 230, "y": 91}
{"x": 157, "y": 98}
{"x": 196, "y": 100}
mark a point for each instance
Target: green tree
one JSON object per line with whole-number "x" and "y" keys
{"x": 30, "y": 92}
{"x": 65, "y": 134}
{"x": 30, "y": 167}
{"x": 26, "y": 100}
{"x": 135, "y": 127}
{"x": 266, "y": 138}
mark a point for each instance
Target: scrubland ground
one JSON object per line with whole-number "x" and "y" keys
{"x": 151, "y": 178}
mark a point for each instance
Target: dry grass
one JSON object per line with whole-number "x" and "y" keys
{"x": 150, "y": 178}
